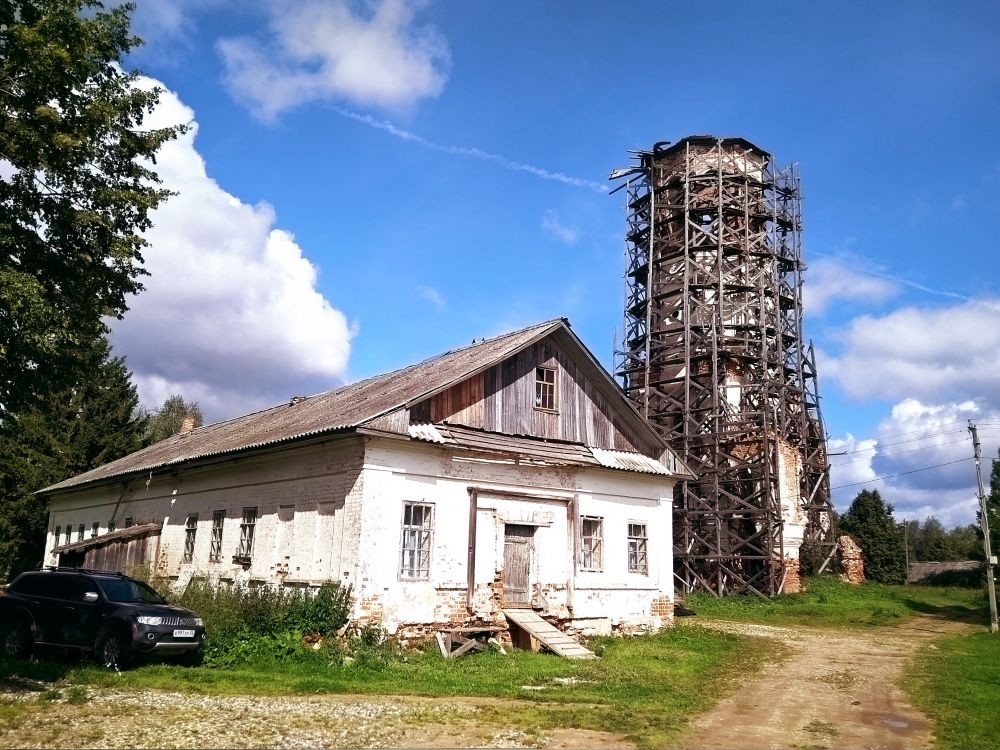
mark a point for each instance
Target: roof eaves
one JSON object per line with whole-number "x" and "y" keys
{"x": 68, "y": 484}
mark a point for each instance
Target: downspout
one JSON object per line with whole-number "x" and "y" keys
{"x": 471, "y": 560}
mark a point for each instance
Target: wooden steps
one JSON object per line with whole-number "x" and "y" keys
{"x": 548, "y": 634}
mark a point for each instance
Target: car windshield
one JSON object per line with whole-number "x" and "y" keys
{"x": 122, "y": 590}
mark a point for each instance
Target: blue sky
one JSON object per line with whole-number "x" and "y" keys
{"x": 372, "y": 183}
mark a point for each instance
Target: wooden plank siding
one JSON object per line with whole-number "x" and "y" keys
{"x": 502, "y": 399}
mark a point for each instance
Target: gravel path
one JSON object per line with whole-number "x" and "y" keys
{"x": 837, "y": 689}
{"x": 153, "y": 719}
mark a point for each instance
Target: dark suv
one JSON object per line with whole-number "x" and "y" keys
{"x": 108, "y": 613}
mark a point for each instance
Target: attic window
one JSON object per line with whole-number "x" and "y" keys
{"x": 545, "y": 388}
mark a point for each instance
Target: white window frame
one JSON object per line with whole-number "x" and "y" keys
{"x": 190, "y": 534}
{"x": 248, "y": 528}
{"x": 416, "y": 542}
{"x": 638, "y": 547}
{"x": 591, "y": 545}
{"x": 218, "y": 525}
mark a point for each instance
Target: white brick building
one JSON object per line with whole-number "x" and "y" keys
{"x": 509, "y": 473}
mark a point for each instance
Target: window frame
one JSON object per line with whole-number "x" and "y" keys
{"x": 641, "y": 546}
{"x": 215, "y": 546}
{"x": 129, "y": 522}
{"x": 190, "y": 533}
{"x": 424, "y": 542}
{"x": 544, "y": 387}
{"x": 111, "y": 526}
{"x": 80, "y": 531}
{"x": 95, "y": 529}
{"x": 248, "y": 527}
{"x": 594, "y": 551}
{"x": 57, "y": 533}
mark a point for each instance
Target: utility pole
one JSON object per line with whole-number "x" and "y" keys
{"x": 985, "y": 523}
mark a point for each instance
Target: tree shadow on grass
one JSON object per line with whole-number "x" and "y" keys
{"x": 36, "y": 674}
{"x": 977, "y": 615}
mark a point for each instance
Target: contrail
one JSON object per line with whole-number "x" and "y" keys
{"x": 473, "y": 153}
{"x": 889, "y": 277}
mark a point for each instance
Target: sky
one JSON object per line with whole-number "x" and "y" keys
{"x": 367, "y": 184}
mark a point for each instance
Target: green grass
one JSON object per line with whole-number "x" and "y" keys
{"x": 828, "y": 601}
{"x": 646, "y": 688}
{"x": 956, "y": 681}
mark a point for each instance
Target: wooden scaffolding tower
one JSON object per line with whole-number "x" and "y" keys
{"x": 713, "y": 356}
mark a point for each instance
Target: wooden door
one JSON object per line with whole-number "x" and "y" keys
{"x": 517, "y": 565}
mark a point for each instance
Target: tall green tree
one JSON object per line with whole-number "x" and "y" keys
{"x": 169, "y": 418}
{"x": 870, "y": 523}
{"x": 993, "y": 506}
{"x": 94, "y": 421}
{"x": 77, "y": 185}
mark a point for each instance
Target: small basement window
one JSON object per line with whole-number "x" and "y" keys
{"x": 591, "y": 543}
{"x": 545, "y": 388}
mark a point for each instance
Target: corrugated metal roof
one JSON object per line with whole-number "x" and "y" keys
{"x": 538, "y": 450}
{"x": 339, "y": 409}
{"x": 426, "y": 431}
{"x": 629, "y": 461}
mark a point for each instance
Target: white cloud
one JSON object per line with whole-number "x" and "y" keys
{"x": 925, "y": 451}
{"x": 828, "y": 280}
{"x": 322, "y": 50}
{"x": 551, "y": 224}
{"x": 231, "y": 316}
{"x": 433, "y": 296}
{"x": 935, "y": 355}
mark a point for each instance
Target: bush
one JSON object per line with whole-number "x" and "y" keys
{"x": 259, "y": 622}
{"x": 812, "y": 555}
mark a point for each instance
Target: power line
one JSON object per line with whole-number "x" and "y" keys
{"x": 902, "y": 473}
{"x": 879, "y": 444}
{"x": 897, "y": 453}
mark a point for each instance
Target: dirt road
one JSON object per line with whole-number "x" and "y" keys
{"x": 837, "y": 689}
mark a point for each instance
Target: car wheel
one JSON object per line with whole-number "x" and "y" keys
{"x": 114, "y": 650}
{"x": 15, "y": 640}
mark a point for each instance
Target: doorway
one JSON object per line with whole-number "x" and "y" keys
{"x": 517, "y": 550}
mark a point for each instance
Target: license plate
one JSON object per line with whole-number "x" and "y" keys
{"x": 183, "y": 634}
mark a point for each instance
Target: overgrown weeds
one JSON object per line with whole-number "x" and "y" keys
{"x": 264, "y": 624}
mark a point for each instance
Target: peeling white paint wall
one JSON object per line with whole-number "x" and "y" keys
{"x": 334, "y": 512}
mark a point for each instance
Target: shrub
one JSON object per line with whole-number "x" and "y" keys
{"x": 271, "y": 618}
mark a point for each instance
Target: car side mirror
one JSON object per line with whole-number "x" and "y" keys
{"x": 90, "y": 596}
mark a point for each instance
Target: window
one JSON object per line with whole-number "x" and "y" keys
{"x": 190, "y": 529}
{"x": 545, "y": 388}
{"x": 418, "y": 522}
{"x": 80, "y": 531}
{"x": 58, "y": 534}
{"x": 247, "y": 524}
{"x": 95, "y": 529}
{"x": 215, "y": 552}
{"x": 69, "y": 533}
{"x": 111, "y": 525}
{"x": 591, "y": 543}
{"x": 637, "y": 560}
{"x": 129, "y": 521}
